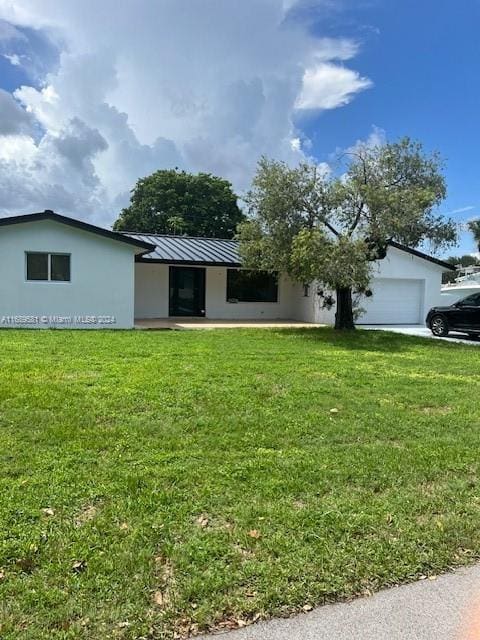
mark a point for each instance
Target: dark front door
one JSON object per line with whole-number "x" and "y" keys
{"x": 187, "y": 291}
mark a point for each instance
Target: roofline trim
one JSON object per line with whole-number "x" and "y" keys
{"x": 171, "y": 235}
{"x": 78, "y": 224}
{"x": 420, "y": 254}
{"x": 220, "y": 263}
{"x": 123, "y": 236}
{"x": 187, "y": 263}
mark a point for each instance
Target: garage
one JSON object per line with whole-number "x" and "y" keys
{"x": 62, "y": 272}
{"x": 394, "y": 301}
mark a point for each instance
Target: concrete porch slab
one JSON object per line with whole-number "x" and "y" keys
{"x": 206, "y": 323}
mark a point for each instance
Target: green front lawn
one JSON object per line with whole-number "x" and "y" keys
{"x": 160, "y": 482}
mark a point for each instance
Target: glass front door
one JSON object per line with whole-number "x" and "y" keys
{"x": 187, "y": 291}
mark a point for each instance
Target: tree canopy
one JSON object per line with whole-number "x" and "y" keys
{"x": 181, "y": 203}
{"x": 474, "y": 228}
{"x": 316, "y": 225}
{"x": 467, "y": 260}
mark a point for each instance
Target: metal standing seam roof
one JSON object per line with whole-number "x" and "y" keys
{"x": 218, "y": 251}
{"x": 190, "y": 250}
{"x": 177, "y": 249}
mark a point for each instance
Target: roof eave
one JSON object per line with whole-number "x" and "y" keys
{"x": 187, "y": 263}
{"x": 420, "y": 254}
{"x": 78, "y": 224}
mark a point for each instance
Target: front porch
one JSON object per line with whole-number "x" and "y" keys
{"x": 207, "y": 323}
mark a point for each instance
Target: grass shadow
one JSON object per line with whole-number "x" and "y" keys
{"x": 365, "y": 340}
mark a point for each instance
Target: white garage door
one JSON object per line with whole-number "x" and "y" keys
{"x": 394, "y": 301}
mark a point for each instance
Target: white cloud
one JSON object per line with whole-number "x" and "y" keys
{"x": 9, "y": 32}
{"x": 13, "y": 58}
{"x": 296, "y": 144}
{"x": 205, "y": 86}
{"x": 17, "y": 148}
{"x": 328, "y": 86}
{"x": 461, "y": 210}
{"x": 376, "y": 138}
{"x": 335, "y": 49}
{"x": 13, "y": 118}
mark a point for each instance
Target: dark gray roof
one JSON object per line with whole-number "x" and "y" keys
{"x": 185, "y": 249}
{"x": 219, "y": 252}
{"x": 420, "y": 254}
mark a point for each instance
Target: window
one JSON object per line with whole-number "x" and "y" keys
{"x": 60, "y": 267}
{"x": 48, "y": 266}
{"x": 251, "y": 286}
{"x": 470, "y": 301}
{"x": 37, "y": 266}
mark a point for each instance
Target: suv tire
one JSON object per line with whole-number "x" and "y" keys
{"x": 439, "y": 326}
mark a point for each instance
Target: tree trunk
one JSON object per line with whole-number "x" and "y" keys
{"x": 344, "y": 312}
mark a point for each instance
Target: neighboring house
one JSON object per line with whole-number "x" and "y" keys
{"x": 61, "y": 272}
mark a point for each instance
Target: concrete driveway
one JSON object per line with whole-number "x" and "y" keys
{"x": 421, "y": 332}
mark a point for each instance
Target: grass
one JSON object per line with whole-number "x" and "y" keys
{"x": 154, "y": 483}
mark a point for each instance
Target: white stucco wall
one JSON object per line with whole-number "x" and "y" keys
{"x": 218, "y": 307}
{"x": 152, "y": 293}
{"x": 399, "y": 264}
{"x": 101, "y": 286}
{"x": 151, "y": 290}
{"x": 305, "y": 307}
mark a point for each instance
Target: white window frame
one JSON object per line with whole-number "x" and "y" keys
{"x": 49, "y": 255}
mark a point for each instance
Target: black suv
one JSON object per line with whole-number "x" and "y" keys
{"x": 463, "y": 316}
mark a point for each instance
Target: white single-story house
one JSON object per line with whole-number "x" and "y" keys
{"x": 60, "y": 272}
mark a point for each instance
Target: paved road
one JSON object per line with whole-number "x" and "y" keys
{"x": 422, "y": 332}
{"x": 426, "y": 610}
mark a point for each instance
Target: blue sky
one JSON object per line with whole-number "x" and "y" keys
{"x": 423, "y": 58}
{"x": 88, "y": 106}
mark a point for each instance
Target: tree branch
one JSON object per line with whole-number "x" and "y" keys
{"x": 312, "y": 213}
{"x": 354, "y": 224}
{"x": 330, "y": 228}
{"x": 356, "y": 220}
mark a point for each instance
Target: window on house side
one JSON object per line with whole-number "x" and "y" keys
{"x": 42, "y": 266}
{"x": 60, "y": 267}
{"x": 37, "y": 266}
{"x": 251, "y": 286}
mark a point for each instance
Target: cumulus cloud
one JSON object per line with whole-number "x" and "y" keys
{"x": 376, "y": 138}
{"x": 205, "y": 86}
{"x": 13, "y": 119}
{"x": 328, "y": 86}
{"x": 9, "y": 32}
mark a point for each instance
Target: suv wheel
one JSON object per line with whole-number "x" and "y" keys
{"x": 439, "y": 326}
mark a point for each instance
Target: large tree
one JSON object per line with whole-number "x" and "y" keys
{"x": 315, "y": 225}
{"x": 177, "y": 202}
